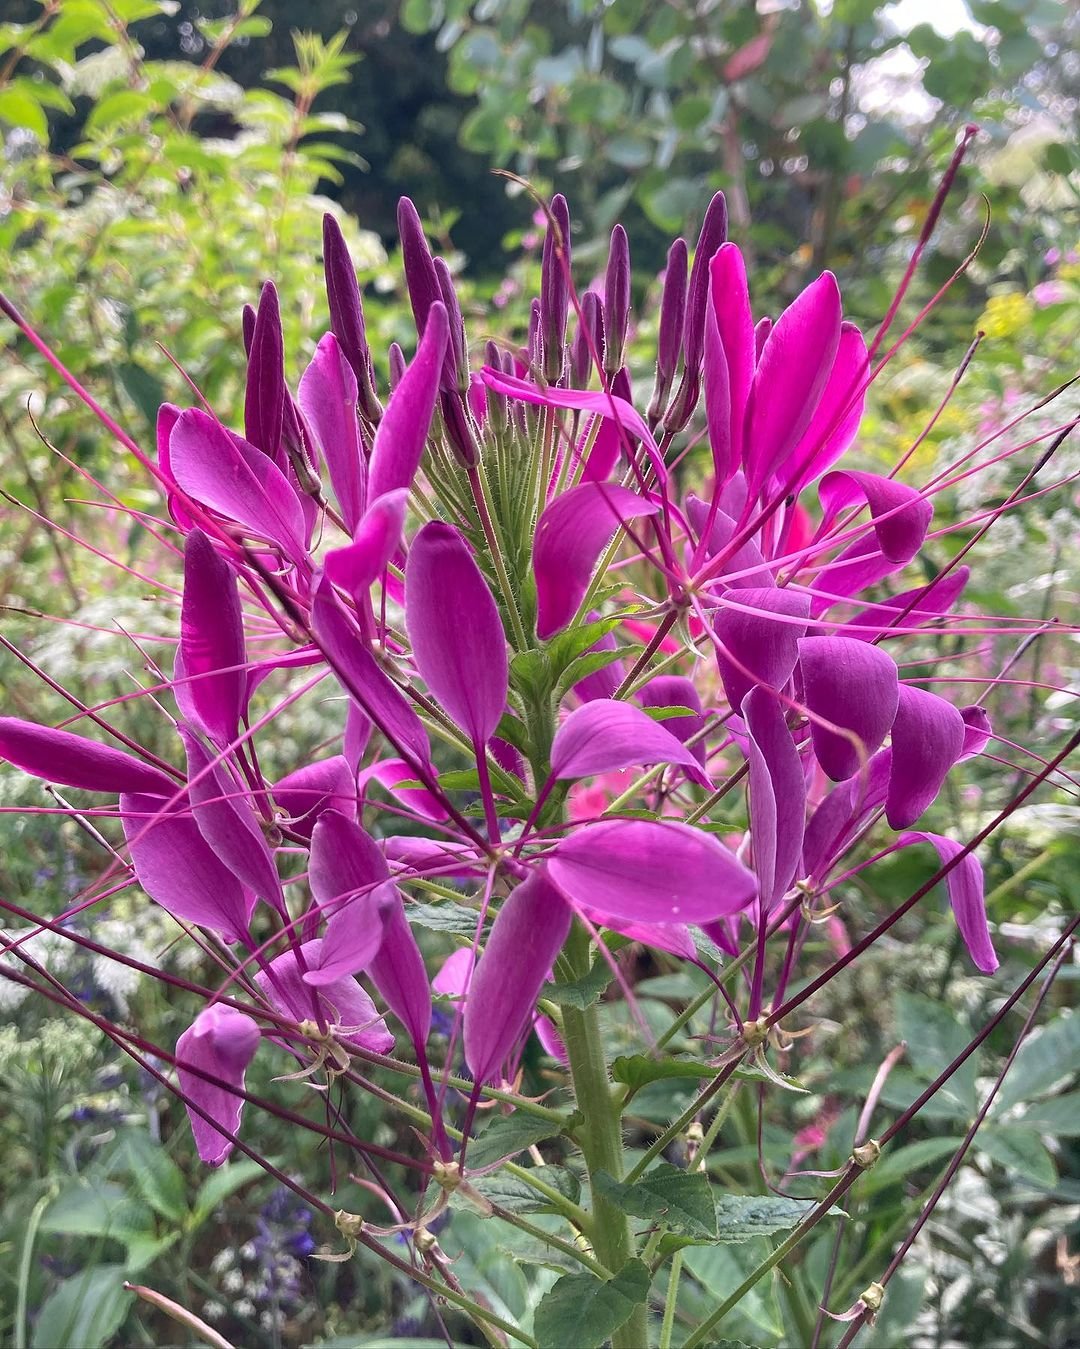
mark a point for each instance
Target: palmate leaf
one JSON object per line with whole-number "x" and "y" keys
{"x": 740, "y": 1217}
{"x": 584, "y": 1311}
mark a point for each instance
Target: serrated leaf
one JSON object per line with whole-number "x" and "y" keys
{"x": 514, "y": 1194}
{"x": 460, "y": 780}
{"x": 506, "y": 1136}
{"x": 681, "y": 1200}
{"x": 530, "y": 674}
{"x": 583, "y": 992}
{"x": 584, "y": 666}
{"x": 740, "y": 1217}
{"x": 1018, "y": 1149}
{"x": 584, "y": 1311}
{"x": 445, "y": 916}
{"x": 574, "y": 642}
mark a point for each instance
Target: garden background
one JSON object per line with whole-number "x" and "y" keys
{"x": 160, "y": 161}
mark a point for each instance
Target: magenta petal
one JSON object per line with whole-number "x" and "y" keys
{"x": 677, "y": 691}
{"x": 977, "y": 730}
{"x": 264, "y": 402}
{"x": 901, "y": 515}
{"x": 570, "y": 535}
{"x": 761, "y": 636}
{"x": 853, "y": 685}
{"x": 391, "y": 773}
{"x": 910, "y": 609}
{"x": 455, "y": 630}
{"x": 422, "y": 856}
{"x": 452, "y": 980}
{"x": 327, "y": 784}
{"x": 609, "y": 405}
{"x": 327, "y": 398}
{"x": 965, "y": 886}
{"x": 71, "y": 761}
{"x": 233, "y": 478}
{"x": 403, "y": 430}
{"x": 605, "y": 735}
{"x": 650, "y": 871}
{"x": 214, "y": 690}
{"x": 672, "y": 937}
{"x": 398, "y": 972}
{"x": 360, "y": 563}
{"x": 228, "y": 824}
{"x": 343, "y": 1003}
{"x": 834, "y": 424}
{"x": 351, "y": 882}
{"x": 860, "y": 565}
{"x": 527, "y": 935}
{"x": 792, "y": 372}
{"x": 746, "y": 558}
{"x": 729, "y": 302}
{"x": 167, "y": 417}
{"x": 357, "y": 670}
{"x": 837, "y": 819}
{"x": 725, "y": 455}
{"x": 777, "y": 795}
{"x": 178, "y": 869}
{"x": 927, "y": 739}
{"x": 222, "y": 1042}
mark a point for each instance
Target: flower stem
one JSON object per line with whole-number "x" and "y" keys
{"x": 600, "y": 1136}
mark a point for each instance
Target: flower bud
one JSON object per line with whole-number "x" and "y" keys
{"x": 555, "y": 288}
{"x": 588, "y": 340}
{"x": 616, "y": 299}
{"x": 347, "y": 315}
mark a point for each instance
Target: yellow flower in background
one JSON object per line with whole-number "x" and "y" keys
{"x": 1005, "y": 315}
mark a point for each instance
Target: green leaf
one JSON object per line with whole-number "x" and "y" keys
{"x": 144, "y": 389}
{"x": 96, "y": 1208}
{"x": 514, "y": 1194}
{"x": 567, "y": 646}
{"x": 460, "y": 780}
{"x": 903, "y": 1164}
{"x": 1018, "y": 1149}
{"x": 223, "y": 1183}
{"x": 21, "y": 109}
{"x": 1045, "y": 1058}
{"x": 586, "y": 665}
{"x": 530, "y": 674}
{"x": 86, "y": 1310}
{"x": 681, "y": 1200}
{"x": 1059, "y": 1116}
{"x": 583, "y": 992}
{"x": 638, "y": 1070}
{"x": 125, "y": 107}
{"x": 934, "y": 1038}
{"x": 157, "y": 1177}
{"x": 740, "y": 1217}
{"x": 446, "y": 916}
{"x": 506, "y": 1136}
{"x": 583, "y": 1311}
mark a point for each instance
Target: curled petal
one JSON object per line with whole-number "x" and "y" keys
{"x": 977, "y": 730}
{"x": 927, "y": 739}
{"x": 677, "y": 691}
{"x": 605, "y": 735}
{"x": 838, "y": 818}
{"x": 316, "y": 787}
{"x": 360, "y": 563}
{"x": 965, "y": 886}
{"x": 393, "y": 774}
{"x": 909, "y": 610}
{"x": 327, "y": 397}
{"x": 222, "y": 1042}
{"x": 178, "y": 868}
{"x": 901, "y": 515}
{"x": 342, "y": 1003}
{"x": 853, "y": 685}
{"x": 650, "y": 871}
{"x": 455, "y": 630}
{"x": 403, "y": 430}
{"x": 834, "y": 424}
{"x": 61, "y": 756}
{"x": 214, "y": 690}
{"x": 570, "y": 535}
{"x": 777, "y": 795}
{"x": 759, "y": 639}
{"x": 527, "y": 935}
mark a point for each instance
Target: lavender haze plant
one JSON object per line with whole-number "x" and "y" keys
{"x": 510, "y": 586}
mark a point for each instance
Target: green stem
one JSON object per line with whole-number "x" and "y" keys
{"x": 671, "y": 1300}
{"x": 679, "y": 1126}
{"x": 29, "y": 1238}
{"x": 600, "y": 1137}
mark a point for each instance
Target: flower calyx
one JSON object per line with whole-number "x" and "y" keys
{"x": 865, "y": 1156}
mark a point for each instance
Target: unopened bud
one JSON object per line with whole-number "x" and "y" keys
{"x": 555, "y": 288}
{"x": 455, "y": 373}
{"x": 616, "y": 300}
{"x": 588, "y": 341}
{"x": 420, "y": 276}
{"x": 670, "y": 337}
{"x": 347, "y": 316}
{"x": 459, "y": 429}
{"x": 713, "y": 234}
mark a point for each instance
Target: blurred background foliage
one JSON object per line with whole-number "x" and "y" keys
{"x": 160, "y": 158}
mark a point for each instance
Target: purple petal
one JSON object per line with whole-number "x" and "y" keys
{"x": 264, "y": 402}
{"x": 977, "y": 730}
{"x": 710, "y": 239}
{"x": 343, "y": 1003}
{"x": 211, "y": 640}
{"x": 233, "y": 478}
{"x": 729, "y": 305}
{"x": 307, "y": 792}
{"x": 790, "y": 378}
{"x": 425, "y": 856}
{"x": 602, "y": 404}
{"x": 777, "y": 795}
{"x": 965, "y": 886}
{"x": 841, "y": 813}
{"x": 650, "y": 871}
{"x": 222, "y": 1042}
{"x": 327, "y": 397}
{"x": 725, "y": 454}
{"x": 71, "y": 761}
{"x": 761, "y": 638}
{"x": 178, "y": 869}
{"x": 350, "y": 881}
{"x": 167, "y": 418}
{"x": 927, "y": 739}
{"x": 391, "y": 773}
{"x": 356, "y": 668}
{"x": 452, "y": 980}
{"x": 677, "y": 691}
{"x": 527, "y": 935}
{"x": 746, "y": 558}
{"x": 570, "y": 535}
{"x": 359, "y": 564}
{"x": 228, "y": 824}
{"x": 901, "y": 515}
{"x": 347, "y": 313}
{"x": 605, "y": 735}
{"x": 672, "y": 937}
{"x": 909, "y": 610}
{"x": 834, "y": 424}
{"x": 853, "y": 685}
{"x": 403, "y": 430}
{"x": 398, "y": 972}
{"x": 455, "y": 630}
